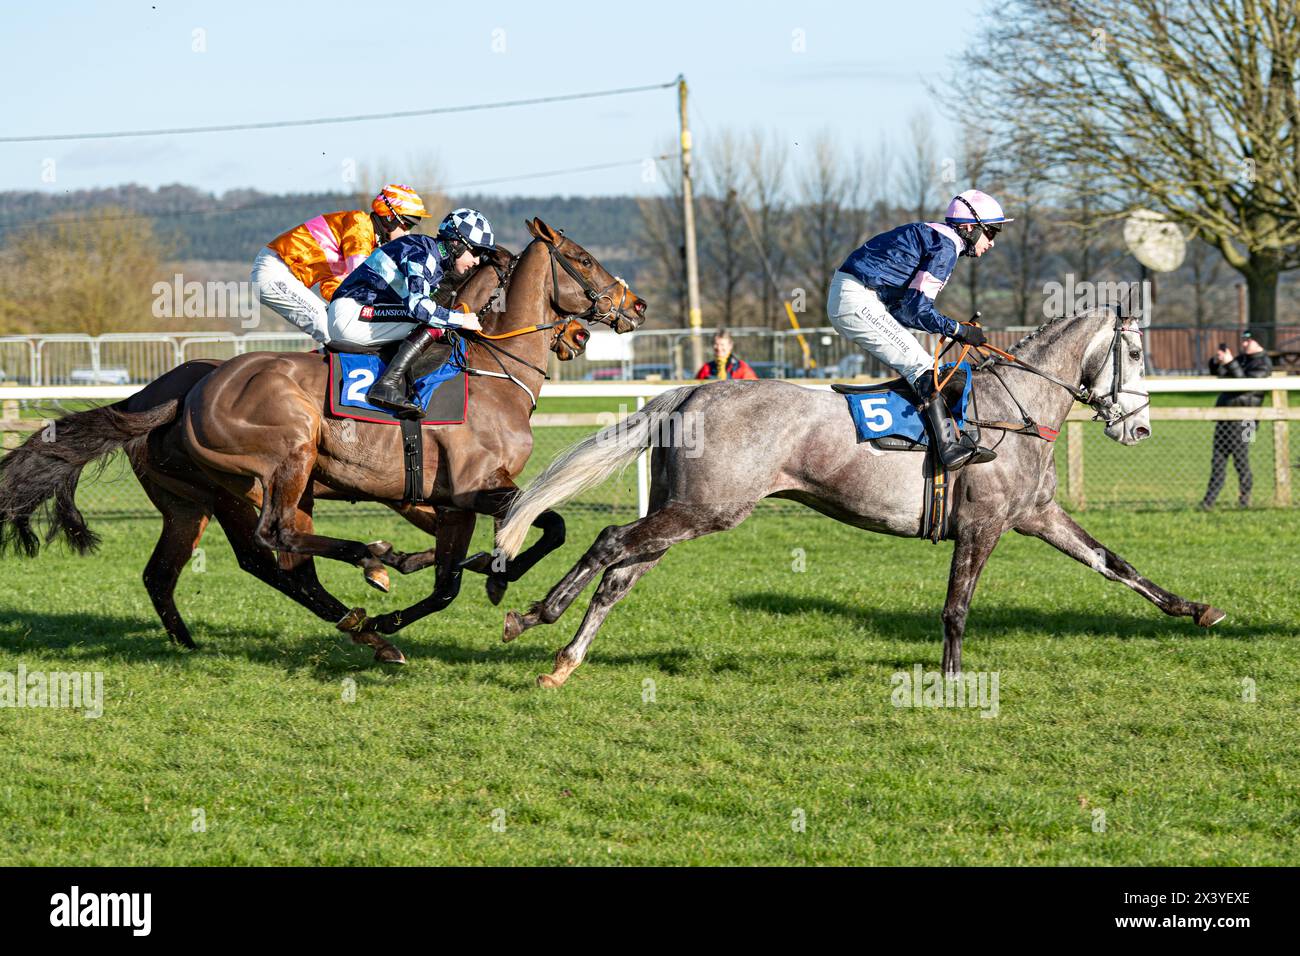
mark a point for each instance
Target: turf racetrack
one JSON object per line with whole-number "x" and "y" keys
{"x": 1122, "y": 736}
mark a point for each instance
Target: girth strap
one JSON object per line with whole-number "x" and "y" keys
{"x": 413, "y": 454}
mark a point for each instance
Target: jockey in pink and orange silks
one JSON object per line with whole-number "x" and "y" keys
{"x": 325, "y": 250}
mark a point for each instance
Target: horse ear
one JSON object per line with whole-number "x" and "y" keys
{"x": 541, "y": 230}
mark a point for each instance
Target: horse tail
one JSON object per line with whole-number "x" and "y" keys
{"x": 585, "y": 465}
{"x": 46, "y": 468}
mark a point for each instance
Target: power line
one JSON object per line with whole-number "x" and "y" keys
{"x": 557, "y": 172}
{"x": 295, "y": 200}
{"x": 323, "y": 121}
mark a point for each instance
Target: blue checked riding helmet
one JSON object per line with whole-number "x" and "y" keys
{"x": 467, "y": 229}
{"x": 976, "y": 208}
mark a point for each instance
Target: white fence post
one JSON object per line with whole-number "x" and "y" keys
{"x": 642, "y": 474}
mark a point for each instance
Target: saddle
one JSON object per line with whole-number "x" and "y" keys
{"x": 437, "y": 380}
{"x": 952, "y": 392}
{"x": 886, "y": 416}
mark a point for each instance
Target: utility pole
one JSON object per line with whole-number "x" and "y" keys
{"x": 688, "y": 226}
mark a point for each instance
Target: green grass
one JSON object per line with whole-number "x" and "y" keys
{"x": 771, "y": 695}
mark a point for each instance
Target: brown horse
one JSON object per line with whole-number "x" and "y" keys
{"x": 256, "y": 428}
{"x": 188, "y": 499}
{"x": 271, "y": 403}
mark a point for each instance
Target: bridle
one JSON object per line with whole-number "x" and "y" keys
{"x": 559, "y": 326}
{"x": 592, "y": 313}
{"x": 1105, "y": 405}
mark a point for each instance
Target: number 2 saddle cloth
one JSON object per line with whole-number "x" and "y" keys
{"x": 437, "y": 381}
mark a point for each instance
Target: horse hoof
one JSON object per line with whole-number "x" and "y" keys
{"x": 514, "y": 626}
{"x": 377, "y": 578}
{"x": 1210, "y": 616}
{"x": 549, "y": 682}
{"x": 496, "y": 589}
{"x": 390, "y": 655}
{"x": 352, "y": 621}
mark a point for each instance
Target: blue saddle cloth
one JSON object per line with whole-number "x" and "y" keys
{"x": 886, "y": 413}
{"x": 360, "y": 370}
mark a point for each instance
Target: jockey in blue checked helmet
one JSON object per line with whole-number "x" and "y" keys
{"x": 467, "y": 230}
{"x": 406, "y": 273}
{"x": 888, "y": 285}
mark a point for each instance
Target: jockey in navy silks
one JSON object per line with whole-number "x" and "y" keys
{"x": 888, "y": 285}
{"x": 406, "y": 272}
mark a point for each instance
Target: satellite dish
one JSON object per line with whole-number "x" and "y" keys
{"x": 1154, "y": 241}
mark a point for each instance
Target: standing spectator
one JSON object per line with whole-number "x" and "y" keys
{"x": 725, "y": 364}
{"x": 1235, "y": 437}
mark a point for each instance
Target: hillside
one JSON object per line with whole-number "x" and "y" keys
{"x": 195, "y": 225}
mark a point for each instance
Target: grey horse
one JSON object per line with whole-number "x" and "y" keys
{"x": 778, "y": 439}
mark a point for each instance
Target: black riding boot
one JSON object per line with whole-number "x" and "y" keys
{"x": 955, "y": 450}
{"x": 389, "y": 391}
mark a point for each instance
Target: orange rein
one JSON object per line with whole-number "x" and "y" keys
{"x": 526, "y": 330}
{"x": 965, "y": 350}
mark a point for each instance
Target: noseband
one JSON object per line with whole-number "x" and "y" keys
{"x": 596, "y": 297}
{"x": 1105, "y": 405}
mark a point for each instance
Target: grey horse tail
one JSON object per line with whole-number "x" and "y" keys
{"x": 585, "y": 465}
{"x": 47, "y": 466}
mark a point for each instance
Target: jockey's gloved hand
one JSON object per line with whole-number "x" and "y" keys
{"x": 468, "y": 322}
{"x": 972, "y": 335}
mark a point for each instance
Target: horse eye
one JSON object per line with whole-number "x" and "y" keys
{"x": 1135, "y": 355}
{"x": 586, "y": 261}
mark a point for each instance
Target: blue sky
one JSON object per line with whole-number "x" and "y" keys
{"x": 83, "y": 67}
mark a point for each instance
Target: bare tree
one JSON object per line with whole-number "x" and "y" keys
{"x": 877, "y": 171}
{"x": 97, "y": 274}
{"x": 661, "y": 237}
{"x": 974, "y": 164}
{"x": 766, "y": 162}
{"x": 1020, "y": 251}
{"x": 1203, "y": 262}
{"x": 724, "y": 243}
{"x": 423, "y": 172}
{"x": 827, "y": 218}
{"x": 918, "y": 175}
{"x": 1191, "y": 108}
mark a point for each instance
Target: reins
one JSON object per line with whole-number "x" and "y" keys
{"x": 1100, "y": 404}
{"x": 591, "y": 313}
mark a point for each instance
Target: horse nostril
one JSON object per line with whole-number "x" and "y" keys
{"x": 639, "y": 308}
{"x": 1141, "y": 432}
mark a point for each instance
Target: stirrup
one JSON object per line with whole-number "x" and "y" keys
{"x": 976, "y": 454}
{"x": 402, "y": 407}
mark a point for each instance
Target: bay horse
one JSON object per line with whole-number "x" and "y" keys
{"x": 808, "y": 452}
{"x": 272, "y": 403}
{"x": 188, "y": 499}
{"x": 185, "y": 497}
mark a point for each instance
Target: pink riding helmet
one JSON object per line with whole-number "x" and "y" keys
{"x": 974, "y": 206}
